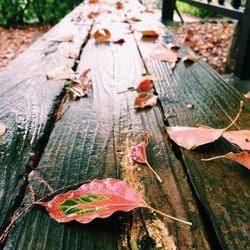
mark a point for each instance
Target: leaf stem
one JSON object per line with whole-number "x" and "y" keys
{"x": 157, "y": 176}
{"x": 169, "y": 216}
{"x": 237, "y": 116}
{"x": 214, "y": 158}
{"x": 125, "y": 91}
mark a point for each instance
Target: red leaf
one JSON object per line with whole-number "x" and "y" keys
{"x": 93, "y": 1}
{"x": 93, "y": 14}
{"x": 145, "y": 100}
{"x": 241, "y": 138}
{"x": 243, "y": 158}
{"x": 145, "y": 84}
{"x": 139, "y": 154}
{"x": 3, "y": 129}
{"x": 191, "y": 138}
{"x": 97, "y": 199}
{"x": 102, "y": 35}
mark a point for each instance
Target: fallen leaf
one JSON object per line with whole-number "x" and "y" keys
{"x": 119, "y": 41}
{"x": 63, "y": 38}
{"x": 149, "y": 33}
{"x": 148, "y": 11}
{"x": 80, "y": 87}
{"x": 119, "y": 5}
{"x": 60, "y": 73}
{"x": 190, "y": 59}
{"x": 132, "y": 20}
{"x": 102, "y": 35}
{"x": 145, "y": 84}
{"x": 241, "y": 138}
{"x": 139, "y": 154}
{"x": 3, "y": 129}
{"x": 97, "y": 199}
{"x": 247, "y": 95}
{"x": 93, "y": 1}
{"x": 174, "y": 47}
{"x": 163, "y": 53}
{"x": 243, "y": 158}
{"x": 190, "y": 138}
{"x": 145, "y": 100}
{"x": 93, "y": 14}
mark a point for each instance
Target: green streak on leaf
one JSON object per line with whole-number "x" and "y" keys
{"x": 71, "y": 210}
{"x": 93, "y": 210}
{"x": 92, "y": 197}
{"x": 69, "y": 203}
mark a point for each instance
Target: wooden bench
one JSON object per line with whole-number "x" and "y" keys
{"x": 94, "y": 136}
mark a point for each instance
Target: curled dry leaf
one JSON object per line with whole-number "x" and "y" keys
{"x": 97, "y": 199}
{"x": 139, "y": 154}
{"x": 247, "y": 95}
{"x": 80, "y": 87}
{"x": 60, "y": 73}
{"x": 102, "y": 35}
{"x": 163, "y": 53}
{"x": 120, "y": 41}
{"x": 243, "y": 158}
{"x": 63, "y": 38}
{"x": 145, "y": 84}
{"x": 190, "y": 138}
{"x": 190, "y": 59}
{"x": 3, "y": 129}
{"x": 149, "y": 33}
{"x": 240, "y": 138}
{"x": 145, "y": 100}
{"x": 93, "y": 14}
{"x": 119, "y": 5}
{"x": 93, "y": 1}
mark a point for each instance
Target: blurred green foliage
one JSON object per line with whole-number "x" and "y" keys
{"x": 19, "y": 12}
{"x": 194, "y": 11}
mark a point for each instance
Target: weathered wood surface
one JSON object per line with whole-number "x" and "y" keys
{"x": 222, "y": 186}
{"x": 93, "y": 140}
{"x": 27, "y": 105}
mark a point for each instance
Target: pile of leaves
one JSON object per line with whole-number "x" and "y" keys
{"x": 211, "y": 41}
{"x": 15, "y": 41}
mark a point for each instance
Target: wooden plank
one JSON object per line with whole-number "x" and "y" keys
{"x": 222, "y": 186}
{"x": 93, "y": 140}
{"x": 28, "y": 102}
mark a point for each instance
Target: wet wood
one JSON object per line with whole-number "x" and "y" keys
{"x": 198, "y": 95}
{"x": 27, "y": 104}
{"x": 93, "y": 140}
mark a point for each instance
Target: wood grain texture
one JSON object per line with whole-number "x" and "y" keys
{"x": 27, "y": 104}
{"x": 222, "y": 186}
{"x": 93, "y": 140}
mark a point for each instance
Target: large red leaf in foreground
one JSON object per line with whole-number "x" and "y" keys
{"x": 139, "y": 154}
{"x": 243, "y": 158}
{"x": 99, "y": 198}
{"x": 240, "y": 138}
{"x": 191, "y": 138}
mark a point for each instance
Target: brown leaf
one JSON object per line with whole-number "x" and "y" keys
{"x": 162, "y": 53}
{"x": 102, "y": 35}
{"x": 93, "y": 14}
{"x": 119, "y": 5}
{"x": 145, "y": 100}
{"x": 93, "y": 1}
{"x": 241, "y": 138}
{"x": 63, "y": 38}
{"x": 243, "y": 158}
{"x": 119, "y": 41}
{"x": 149, "y": 33}
{"x": 191, "y": 138}
{"x": 3, "y": 129}
{"x": 60, "y": 73}
{"x": 190, "y": 59}
{"x": 81, "y": 87}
